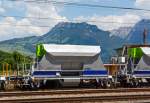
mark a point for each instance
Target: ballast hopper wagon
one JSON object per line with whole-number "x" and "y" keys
{"x": 137, "y": 66}
{"x": 69, "y": 65}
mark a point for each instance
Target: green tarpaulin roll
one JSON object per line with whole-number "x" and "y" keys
{"x": 40, "y": 51}
{"x": 135, "y": 52}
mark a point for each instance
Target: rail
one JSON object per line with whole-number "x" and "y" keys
{"x": 76, "y": 95}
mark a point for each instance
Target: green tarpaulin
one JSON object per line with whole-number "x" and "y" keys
{"x": 135, "y": 52}
{"x": 40, "y": 51}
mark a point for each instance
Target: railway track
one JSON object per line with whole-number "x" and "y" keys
{"x": 80, "y": 99}
{"x": 83, "y": 95}
{"x": 74, "y": 91}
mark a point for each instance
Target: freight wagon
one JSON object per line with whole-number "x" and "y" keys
{"x": 69, "y": 65}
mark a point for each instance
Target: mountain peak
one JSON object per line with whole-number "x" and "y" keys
{"x": 122, "y": 32}
{"x": 74, "y": 25}
{"x": 65, "y": 31}
{"x": 135, "y": 36}
{"x": 144, "y": 21}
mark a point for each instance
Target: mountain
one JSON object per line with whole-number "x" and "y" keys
{"x": 135, "y": 36}
{"x": 25, "y": 45}
{"x": 67, "y": 33}
{"x": 75, "y": 33}
{"x": 122, "y": 32}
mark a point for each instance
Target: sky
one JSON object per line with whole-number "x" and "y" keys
{"x": 21, "y": 19}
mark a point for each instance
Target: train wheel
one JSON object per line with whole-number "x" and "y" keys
{"x": 101, "y": 83}
{"x": 140, "y": 83}
{"x": 5, "y": 85}
{"x": 31, "y": 85}
{"x": 134, "y": 83}
{"x": 2, "y": 85}
{"x": 108, "y": 84}
{"x": 37, "y": 85}
{"x": 97, "y": 84}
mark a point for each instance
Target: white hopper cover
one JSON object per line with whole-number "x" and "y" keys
{"x": 71, "y": 50}
{"x": 146, "y": 50}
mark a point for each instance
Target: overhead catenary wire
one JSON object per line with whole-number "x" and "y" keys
{"x": 100, "y": 21}
{"x": 69, "y": 3}
{"x": 84, "y": 5}
{"x": 73, "y": 21}
{"x": 56, "y": 2}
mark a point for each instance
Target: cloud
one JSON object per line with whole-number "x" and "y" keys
{"x": 12, "y": 27}
{"x": 142, "y": 3}
{"x": 9, "y": 30}
{"x": 47, "y": 11}
{"x": 2, "y": 10}
{"x": 110, "y": 22}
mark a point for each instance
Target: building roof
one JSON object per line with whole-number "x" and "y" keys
{"x": 71, "y": 50}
